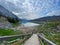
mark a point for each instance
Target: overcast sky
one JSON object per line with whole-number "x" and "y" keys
{"x": 32, "y": 9}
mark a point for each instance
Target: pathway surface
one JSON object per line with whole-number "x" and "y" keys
{"x": 33, "y": 40}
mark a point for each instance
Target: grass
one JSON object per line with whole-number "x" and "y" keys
{"x": 47, "y": 30}
{"x": 8, "y": 32}
{"x": 55, "y": 37}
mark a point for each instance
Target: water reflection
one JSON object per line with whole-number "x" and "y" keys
{"x": 29, "y": 24}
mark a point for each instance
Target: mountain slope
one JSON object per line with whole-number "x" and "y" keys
{"x": 47, "y": 19}
{"x": 9, "y": 15}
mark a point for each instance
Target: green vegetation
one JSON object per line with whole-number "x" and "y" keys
{"x": 15, "y": 24}
{"x": 48, "y": 30}
{"x": 53, "y": 36}
{"x": 48, "y": 25}
{"x": 9, "y": 32}
{"x": 4, "y": 32}
{"x": 12, "y": 20}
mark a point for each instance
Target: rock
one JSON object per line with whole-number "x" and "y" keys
{"x": 4, "y": 23}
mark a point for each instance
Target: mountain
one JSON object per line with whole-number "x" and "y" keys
{"x": 9, "y": 15}
{"x": 47, "y": 19}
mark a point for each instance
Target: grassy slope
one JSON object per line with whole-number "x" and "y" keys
{"x": 7, "y": 32}
{"x": 4, "y": 31}
{"x": 51, "y": 34}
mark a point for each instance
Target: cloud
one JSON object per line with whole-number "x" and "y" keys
{"x": 12, "y": 1}
{"x": 31, "y": 16}
{"x": 31, "y": 9}
{"x": 56, "y": 12}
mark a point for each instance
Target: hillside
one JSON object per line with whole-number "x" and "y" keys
{"x": 4, "y": 23}
{"x": 47, "y": 19}
{"x": 9, "y": 15}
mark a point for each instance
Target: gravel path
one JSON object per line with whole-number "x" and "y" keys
{"x": 33, "y": 40}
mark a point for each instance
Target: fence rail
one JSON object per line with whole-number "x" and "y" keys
{"x": 46, "y": 40}
{"x": 3, "y": 39}
{"x": 13, "y": 36}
